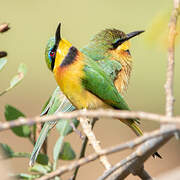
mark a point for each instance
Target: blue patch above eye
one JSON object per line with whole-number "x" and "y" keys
{"x": 117, "y": 40}
{"x": 49, "y": 55}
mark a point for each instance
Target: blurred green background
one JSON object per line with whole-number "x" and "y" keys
{"x": 33, "y": 22}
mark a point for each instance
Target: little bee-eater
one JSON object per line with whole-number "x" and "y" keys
{"x": 97, "y": 76}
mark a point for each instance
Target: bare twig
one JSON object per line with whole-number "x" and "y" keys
{"x": 170, "y": 70}
{"x": 93, "y": 141}
{"x": 90, "y": 113}
{"x": 168, "y": 131}
{"x": 77, "y": 131}
{"x": 143, "y": 174}
{"x": 83, "y": 149}
{"x": 139, "y": 157}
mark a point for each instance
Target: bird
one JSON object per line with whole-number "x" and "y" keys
{"x": 105, "y": 58}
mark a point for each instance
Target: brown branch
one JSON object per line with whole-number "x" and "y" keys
{"x": 93, "y": 141}
{"x": 83, "y": 149}
{"x": 168, "y": 131}
{"x": 170, "y": 70}
{"x": 143, "y": 174}
{"x": 137, "y": 158}
{"x": 90, "y": 113}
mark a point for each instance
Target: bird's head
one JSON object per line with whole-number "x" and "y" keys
{"x": 56, "y": 47}
{"x": 109, "y": 40}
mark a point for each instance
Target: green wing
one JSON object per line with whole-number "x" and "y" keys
{"x": 57, "y": 103}
{"x": 100, "y": 84}
{"x": 97, "y": 82}
{"x": 110, "y": 67}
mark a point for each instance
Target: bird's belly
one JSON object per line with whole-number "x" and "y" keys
{"x": 70, "y": 84}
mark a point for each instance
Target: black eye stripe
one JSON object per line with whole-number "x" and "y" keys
{"x": 118, "y": 42}
{"x": 52, "y": 54}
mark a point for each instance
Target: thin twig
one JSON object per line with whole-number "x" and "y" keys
{"x": 90, "y": 113}
{"x": 143, "y": 174}
{"x": 139, "y": 157}
{"x": 93, "y": 141}
{"x": 83, "y": 149}
{"x": 170, "y": 70}
{"x": 169, "y": 130}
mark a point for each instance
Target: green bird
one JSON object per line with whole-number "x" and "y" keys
{"x": 98, "y": 81}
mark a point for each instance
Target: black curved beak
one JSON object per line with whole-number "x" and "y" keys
{"x": 132, "y": 34}
{"x": 58, "y": 34}
{"x": 128, "y": 36}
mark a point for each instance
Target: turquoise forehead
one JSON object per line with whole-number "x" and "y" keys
{"x": 50, "y": 43}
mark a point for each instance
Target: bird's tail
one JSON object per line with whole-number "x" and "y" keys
{"x": 134, "y": 126}
{"x": 43, "y": 134}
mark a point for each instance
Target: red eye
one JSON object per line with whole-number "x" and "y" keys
{"x": 52, "y": 54}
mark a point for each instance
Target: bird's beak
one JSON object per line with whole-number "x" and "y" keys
{"x": 133, "y": 34}
{"x": 128, "y": 36}
{"x": 58, "y": 35}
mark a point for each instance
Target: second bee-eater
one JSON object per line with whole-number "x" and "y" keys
{"x": 97, "y": 76}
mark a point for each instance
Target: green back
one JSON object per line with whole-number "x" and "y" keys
{"x": 100, "y": 84}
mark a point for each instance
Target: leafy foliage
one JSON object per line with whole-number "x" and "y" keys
{"x": 6, "y": 150}
{"x": 67, "y": 153}
{"x": 11, "y": 113}
{"x": 17, "y": 78}
{"x": 20, "y": 75}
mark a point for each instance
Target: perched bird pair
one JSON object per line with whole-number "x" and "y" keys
{"x": 94, "y": 77}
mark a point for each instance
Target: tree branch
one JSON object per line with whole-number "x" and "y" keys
{"x": 133, "y": 163}
{"x": 166, "y": 131}
{"x": 93, "y": 141}
{"x": 90, "y": 113}
{"x": 170, "y": 70}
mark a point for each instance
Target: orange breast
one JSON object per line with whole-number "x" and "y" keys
{"x": 69, "y": 79}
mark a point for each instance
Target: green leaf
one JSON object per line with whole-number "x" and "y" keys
{"x": 64, "y": 126}
{"x": 6, "y": 150}
{"x": 27, "y": 176}
{"x": 21, "y": 155}
{"x": 11, "y": 113}
{"x": 42, "y": 159}
{"x": 57, "y": 148}
{"x": 67, "y": 152}
{"x": 2, "y": 63}
{"x": 18, "y": 78}
{"x": 40, "y": 168}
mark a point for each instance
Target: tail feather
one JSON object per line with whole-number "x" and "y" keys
{"x": 43, "y": 134}
{"x": 133, "y": 125}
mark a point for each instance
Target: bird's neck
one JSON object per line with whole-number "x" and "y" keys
{"x": 123, "y": 76}
{"x": 64, "y": 50}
